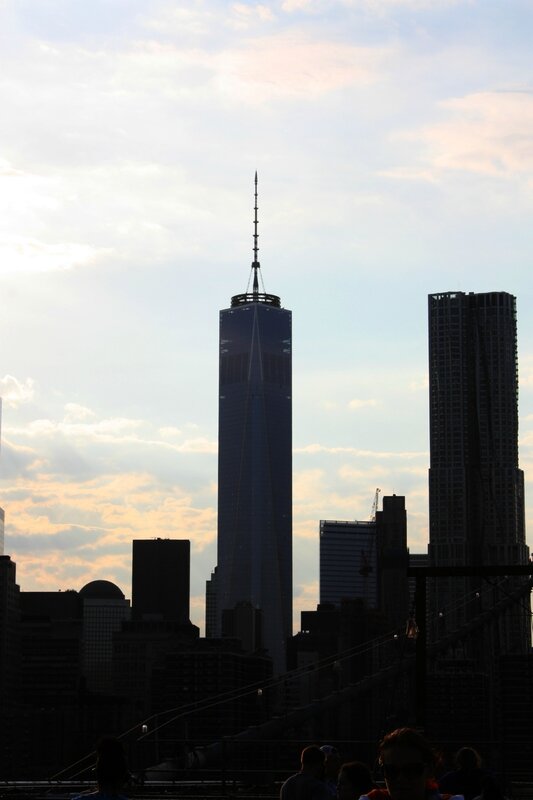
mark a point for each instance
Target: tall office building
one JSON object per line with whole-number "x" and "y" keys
{"x": 9, "y": 624}
{"x": 161, "y": 580}
{"x": 367, "y": 560}
{"x": 476, "y": 489}
{"x": 255, "y": 461}
{"x": 104, "y": 609}
{"x": 348, "y": 562}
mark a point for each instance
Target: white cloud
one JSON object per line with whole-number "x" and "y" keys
{"x": 169, "y": 432}
{"x": 292, "y": 64}
{"x": 290, "y": 6}
{"x": 315, "y": 449}
{"x": 411, "y": 5}
{"x": 525, "y": 372}
{"x": 19, "y": 255}
{"x": 81, "y": 425}
{"x": 489, "y": 133}
{"x": 420, "y": 384}
{"x": 373, "y": 6}
{"x": 193, "y": 19}
{"x": 15, "y": 392}
{"x": 357, "y": 403}
{"x": 76, "y": 413}
{"x": 249, "y": 14}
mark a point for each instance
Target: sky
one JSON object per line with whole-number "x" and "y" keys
{"x": 393, "y": 141}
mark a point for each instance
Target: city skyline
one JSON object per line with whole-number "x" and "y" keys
{"x": 391, "y": 141}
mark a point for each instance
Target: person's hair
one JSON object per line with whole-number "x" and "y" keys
{"x": 111, "y": 767}
{"x": 408, "y": 737}
{"x": 468, "y": 758}
{"x": 359, "y": 775}
{"x": 312, "y": 756}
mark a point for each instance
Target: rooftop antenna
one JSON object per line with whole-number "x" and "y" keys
{"x": 255, "y": 264}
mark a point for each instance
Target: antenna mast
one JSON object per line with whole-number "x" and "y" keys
{"x": 255, "y": 264}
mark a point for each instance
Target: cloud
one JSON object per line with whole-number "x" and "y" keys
{"x": 170, "y": 432}
{"x": 247, "y": 15}
{"x": 380, "y": 6}
{"x": 289, "y": 65}
{"x": 290, "y": 6}
{"x": 488, "y": 133}
{"x": 80, "y": 424}
{"x": 420, "y": 384}
{"x": 185, "y": 20}
{"x": 15, "y": 392}
{"x": 76, "y": 413}
{"x": 525, "y": 372}
{"x": 19, "y": 255}
{"x": 315, "y": 448}
{"x": 74, "y": 427}
{"x": 373, "y": 6}
{"x": 356, "y": 404}
{"x": 91, "y": 523}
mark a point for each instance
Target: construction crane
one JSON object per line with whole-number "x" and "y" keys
{"x": 375, "y": 506}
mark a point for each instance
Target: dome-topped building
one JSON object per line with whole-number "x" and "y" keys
{"x": 102, "y": 590}
{"x": 105, "y": 608}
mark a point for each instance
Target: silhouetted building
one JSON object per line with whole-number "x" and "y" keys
{"x": 416, "y": 560}
{"x": 211, "y": 616}
{"x": 9, "y": 622}
{"x": 206, "y": 680}
{"x": 255, "y": 462}
{"x": 332, "y": 652}
{"x": 244, "y": 622}
{"x": 9, "y": 663}
{"x": 476, "y": 489}
{"x": 393, "y": 559}
{"x": 348, "y": 561}
{"x": 51, "y": 647}
{"x": 516, "y": 692}
{"x": 50, "y": 682}
{"x": 367, "y": 560}
{"x": 160, "y": 667}
{"x": 104, "y": 609}
{"x": 138, "y": 648}
{"x": 160, "y": 580}
{"x": 459, "y": 708}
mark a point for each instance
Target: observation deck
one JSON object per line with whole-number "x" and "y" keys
{"x": 255, "y": 297}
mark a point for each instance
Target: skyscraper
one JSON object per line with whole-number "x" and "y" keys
{"x": 367, "y": 560}
{"x": 255, "y": 461}
{"x": 476, "y": 489}
{"x": 104, "y": 608}
{"x": 348, "y": 561}
{"x": 160, "y": 580}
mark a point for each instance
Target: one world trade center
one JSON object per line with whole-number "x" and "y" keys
{"x": 255, "y": 462}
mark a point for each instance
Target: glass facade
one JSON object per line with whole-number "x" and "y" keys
{"x": 348, "y": 561}
{"x": 255, "y": 466}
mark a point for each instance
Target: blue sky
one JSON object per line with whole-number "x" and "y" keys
{"x": 393, "y": 141}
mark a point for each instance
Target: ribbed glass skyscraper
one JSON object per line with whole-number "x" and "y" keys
{"x": 255, "y": 462}
{"x": 476, "y": 489}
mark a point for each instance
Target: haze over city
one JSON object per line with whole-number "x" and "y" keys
{"x": 393, "y": 142}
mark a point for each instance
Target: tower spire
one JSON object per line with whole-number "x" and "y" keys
{"x": 255, "y": 296}
{"x": 255, "y": 264}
